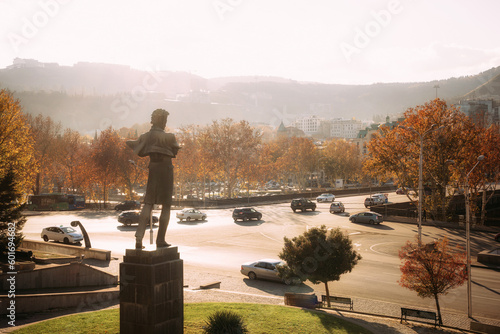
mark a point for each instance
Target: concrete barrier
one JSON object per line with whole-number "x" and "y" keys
{"x": 51, "y": 247}
{"x": 72, "y": 275}
{"x": 484, "y": 328}
{"x": 33, "y": 303}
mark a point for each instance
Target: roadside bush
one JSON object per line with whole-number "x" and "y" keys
{"x": 225, "y": 322}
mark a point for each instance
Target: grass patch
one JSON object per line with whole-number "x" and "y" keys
{"x": 259, "y": 318}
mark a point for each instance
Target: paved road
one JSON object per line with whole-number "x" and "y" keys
{"x": 220, "y": 245}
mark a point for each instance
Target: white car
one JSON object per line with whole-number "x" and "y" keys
{"x": 325, "y": 198}
{"x": 190, "y": 214}
{"x": 64, "y": 234}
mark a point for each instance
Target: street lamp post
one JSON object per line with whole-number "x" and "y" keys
{"x": 467, "y": 237}
{"x": 420, "y": 177}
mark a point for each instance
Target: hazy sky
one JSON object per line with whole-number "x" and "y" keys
{"x": 330, "y": 41}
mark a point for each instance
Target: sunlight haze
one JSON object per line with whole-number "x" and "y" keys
{"x": 347, "y": 42}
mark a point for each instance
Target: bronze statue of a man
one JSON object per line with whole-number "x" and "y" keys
{"x": 161, "y": 147}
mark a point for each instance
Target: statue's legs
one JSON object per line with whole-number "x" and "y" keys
{"x": 143, "y": 222}
{"x": 162, "y": 230}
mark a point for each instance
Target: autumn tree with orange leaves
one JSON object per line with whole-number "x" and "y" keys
{"x": 45, "y": 134}
{"x": 300, "y": 160}
{"x": 16, "y": 170}
{"x": 395, "y": 151}
{"x": 16, "y": 144}
{"x": 340, "y": 159}
{"x": 228, "y": 148}
{"x": 432, "y": 269}
{"x": 104, "y": 152}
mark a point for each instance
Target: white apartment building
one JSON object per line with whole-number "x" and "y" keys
{"x": 345, "y": 128}
{"x": 309, "y": 124}
{"x": 334, "y": 128}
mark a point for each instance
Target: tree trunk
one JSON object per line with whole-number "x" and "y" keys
{"x": 37, "y": 184}
{"x": 438, "y": 309}
{"x": 327, "y": 294}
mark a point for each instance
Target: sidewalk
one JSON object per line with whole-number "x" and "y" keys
{"x": 378, "y": 316}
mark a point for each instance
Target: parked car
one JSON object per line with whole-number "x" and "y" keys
{"x": 65, "y": 234}
{"x": 246, "y": 214}
{"x": 367, "y": 217}
{"x": 302, "y": 204}
{"x": 190, "y": 214}
{"x": 128, "y": 205}
{"x": 336, "y": 207}
{"x": 266, "y": 269}
{"x": 376, "y": 199}
{"x": 132, "y": 217}
{"x": 327, "y": 197}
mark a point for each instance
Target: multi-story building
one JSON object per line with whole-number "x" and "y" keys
{"x": 484, "y": 112}
{"x": 345, "y": 128}
{"x": 309, "y": 124}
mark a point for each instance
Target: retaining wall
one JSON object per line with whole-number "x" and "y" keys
{"x": 77, "y": 251}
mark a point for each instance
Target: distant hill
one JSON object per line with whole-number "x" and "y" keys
{"x": 488, "y": 90}
{"x": 89, "y": 96}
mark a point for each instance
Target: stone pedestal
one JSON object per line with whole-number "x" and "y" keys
{"x": 151, "y": 291}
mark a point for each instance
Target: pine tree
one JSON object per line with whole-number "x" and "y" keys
{"x": 11, "y": 219}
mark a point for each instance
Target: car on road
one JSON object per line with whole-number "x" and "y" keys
{"x": 246, "y": 214}
{"x": 376, "y": 199}
{"x": 131, "y": 217}
{"x": 326, "y": 197}
{"x": 266, "y": 269}
{"x": 401, "y": 191}
{"x": 190, "y": 214}
{"x": 65, "y": 234}
{"x": 302, "y": 204}
{"x": 337, "y": 207}
{"x": 128, "y": 205}
{"x": 367, "y": 217}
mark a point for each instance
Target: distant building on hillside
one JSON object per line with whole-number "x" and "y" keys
{"x": 322, "y": 128}
{"x": 364, "y": 136}
{"x": 482, "y": 112}
{"x": 345, "y": 128}
{"x": 289, "y": 131}
{"x": 309, "y": 124}
{"x": 29, "y": 63}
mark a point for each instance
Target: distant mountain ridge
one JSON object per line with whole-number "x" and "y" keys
{"x": 89, "y": 96}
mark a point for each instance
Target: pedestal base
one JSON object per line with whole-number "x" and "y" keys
{"x": 151, "y": 291}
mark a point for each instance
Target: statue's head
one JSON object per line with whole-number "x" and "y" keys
{"x": 159, "y": 118}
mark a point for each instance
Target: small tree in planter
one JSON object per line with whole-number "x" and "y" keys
{"x": 319, "y": 255}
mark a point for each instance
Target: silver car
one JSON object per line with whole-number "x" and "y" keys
{"x": 64, "y": 234}
{"x": 190, "y": 214}
{"x": 367, "y": 217}
{"x": 262, "y": 269}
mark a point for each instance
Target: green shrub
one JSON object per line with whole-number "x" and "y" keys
{"x": 225, "y": 322}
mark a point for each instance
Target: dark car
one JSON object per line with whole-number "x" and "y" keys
{"x": 302, "y": 204}
{"x": 128, "y": 205}
{"x": 132, "y": 217}
{"x": 246, "y": 214}
{"x": 367, "y": 217}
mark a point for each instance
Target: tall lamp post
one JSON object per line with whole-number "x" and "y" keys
{"x": 467, "y": 237}
{"x": 420, "y": 177}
